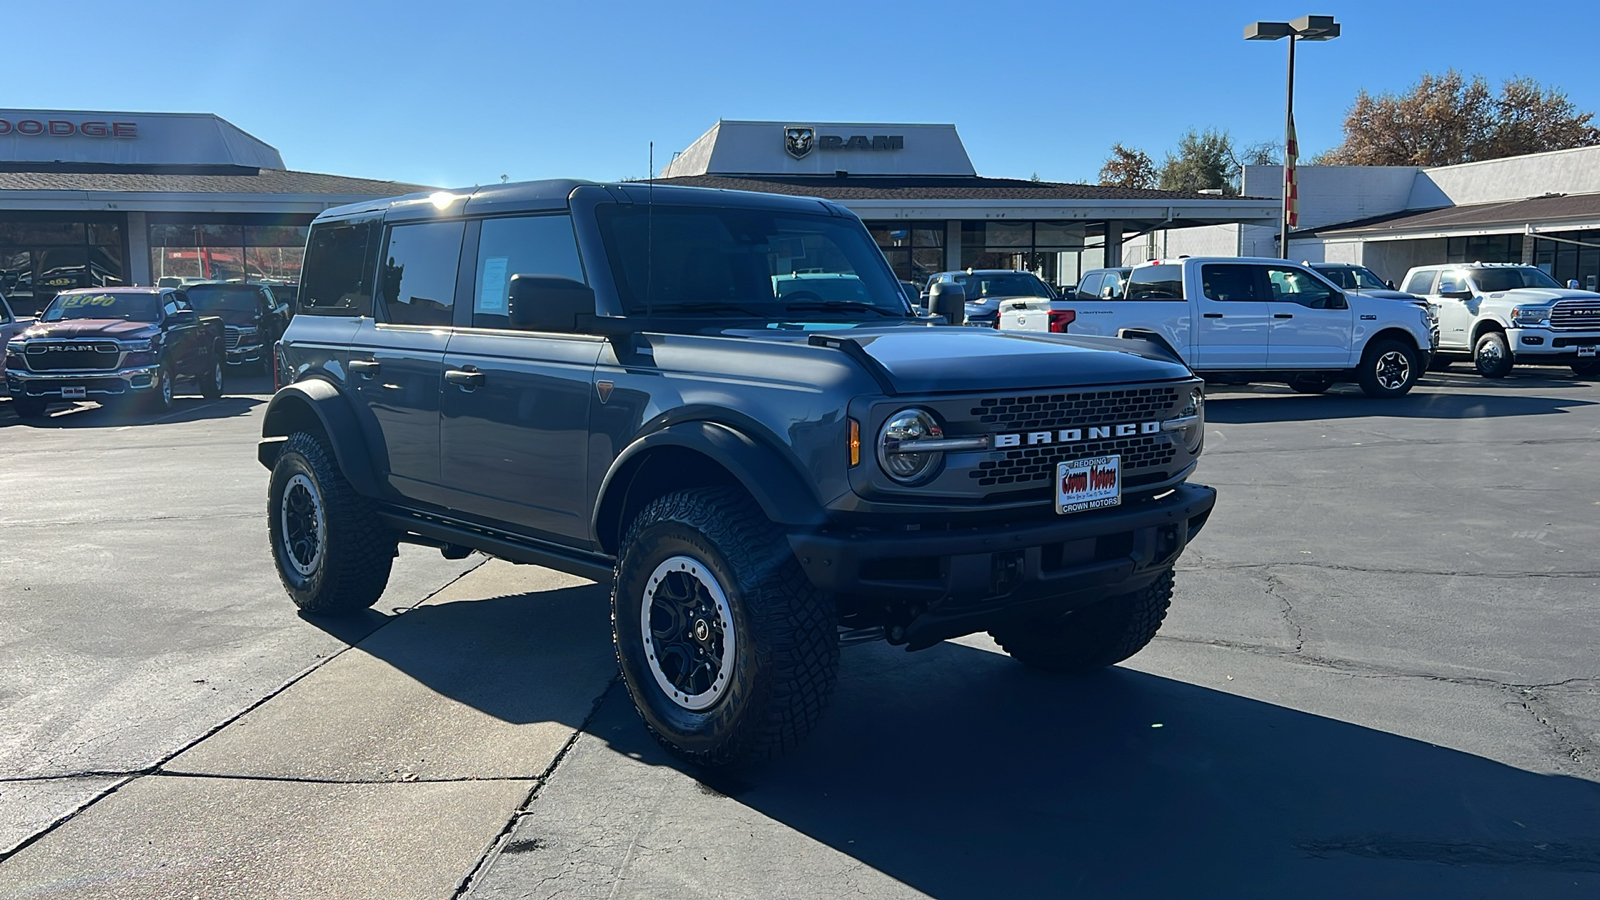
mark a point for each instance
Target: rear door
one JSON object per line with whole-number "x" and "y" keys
{"x": 1311, "y": 322}
{"x": 515, "y": 409}
{"x": 1232, "y": 331}
{"x": 397, "y": 362}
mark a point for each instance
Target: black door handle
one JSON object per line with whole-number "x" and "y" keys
{"x": 1212, "y": 315}
{"x": 366, "y": 368}
{"x": 468, "y": 379}
{"x": 1283, "y": 315}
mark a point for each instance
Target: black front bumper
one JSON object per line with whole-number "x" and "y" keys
{"x": 960, "y": 580}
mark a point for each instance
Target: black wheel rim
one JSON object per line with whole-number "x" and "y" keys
{"x": 688, "y": 633}
{"x": 304, "y": 528}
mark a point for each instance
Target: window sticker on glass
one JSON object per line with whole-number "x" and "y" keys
{"x": 492, "y": 286}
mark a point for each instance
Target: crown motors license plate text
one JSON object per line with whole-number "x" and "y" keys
{"x": 1088, "y": 484}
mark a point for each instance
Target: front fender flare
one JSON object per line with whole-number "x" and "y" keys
{"x": 776, "y": 484}
{"x": 319, "y": 403}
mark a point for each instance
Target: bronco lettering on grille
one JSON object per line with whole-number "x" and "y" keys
{"x": 1075, "y": 435}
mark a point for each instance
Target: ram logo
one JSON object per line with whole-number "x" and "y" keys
{"x": 799, "y": 139}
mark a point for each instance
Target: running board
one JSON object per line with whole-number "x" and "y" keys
{"x": 510, "y": 547}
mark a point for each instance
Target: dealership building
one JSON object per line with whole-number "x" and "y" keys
{"x": 930, "y": 211}
{"x": 101, "y": 198}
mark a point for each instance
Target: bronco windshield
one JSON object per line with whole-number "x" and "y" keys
{"x": 132, "y": 307}
{"x": 679, "y": 260}
{"x": 1509, "y": 279}
{"x": 215, "y": 297}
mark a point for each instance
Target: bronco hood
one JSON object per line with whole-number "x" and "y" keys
{"x": 942, "y": 359}
{"x": 113, "y": 329}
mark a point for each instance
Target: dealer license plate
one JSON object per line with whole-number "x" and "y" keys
{"x": 74, "y": 393}
{"x": 1088, "y": 484}
{"x": 1587, "y": 351}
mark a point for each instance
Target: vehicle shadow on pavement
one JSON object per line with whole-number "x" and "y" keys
{"x": 86, "y": 415}
{"x": 962, "y": 774}
{"x": 1259, "y": 408}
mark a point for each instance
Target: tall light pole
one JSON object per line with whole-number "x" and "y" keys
{"x": 1305, "y": 28}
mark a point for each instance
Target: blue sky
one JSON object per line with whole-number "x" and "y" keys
{"x": 460, "y": 93}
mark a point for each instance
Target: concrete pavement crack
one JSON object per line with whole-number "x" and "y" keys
{"x": 1569, "y": 739}
{"x": 1274, "y": 584}
{"x": 156, "y": 769}
{"x": 487, "y": 857}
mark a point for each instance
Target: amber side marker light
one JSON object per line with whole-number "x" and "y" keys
{"x": 855, "y": 443}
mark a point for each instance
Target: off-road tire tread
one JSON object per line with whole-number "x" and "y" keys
{"x": 796, "y": 625}
{"x": 1093, "y": 637}
{"x": 1368, "y": 379}
{"x": 361, "y": 549}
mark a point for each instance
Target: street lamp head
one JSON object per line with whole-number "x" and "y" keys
{"x": 1267, "y": 31}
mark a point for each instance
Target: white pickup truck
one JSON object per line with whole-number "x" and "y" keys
{"x": 1238, "y": 320}
{"x": 1504, "y": 314}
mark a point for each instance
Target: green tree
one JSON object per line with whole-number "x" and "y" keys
{"x": 1447, "y": 119}
{"x": 1205, "y": 161}
{"x": 1128, "y": 168}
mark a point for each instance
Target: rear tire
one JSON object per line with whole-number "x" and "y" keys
{"x": 728, "y": 651}
{"x": 1092, "y": 637}
{"x": 332, "y": 553}
{"x": 211, "y": 382}
{"x": 1389, "y": 369}
{"x": 1492, "y": 355}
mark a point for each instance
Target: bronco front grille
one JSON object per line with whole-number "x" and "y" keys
{"x": 53, "y": 356}
{"x": 1070, "y": 409}
{"x": 1028, "y": 465}
{"x": 1575, "y": 314}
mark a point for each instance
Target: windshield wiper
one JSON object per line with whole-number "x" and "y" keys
{"x": 832, "y": 305}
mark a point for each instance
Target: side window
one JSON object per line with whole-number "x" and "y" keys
{"x": 1453, "y": 281}
{"x": 170, "y": 304}
{"x": 1089, "y": 287}
{"x": 1289, "y": 285}
{"x": 1420, "y": 282}
{"x": 1111, "y": 287}
{"x": 1230, "y": 282}
{"x": 337, "y": 277}
{"x": 1156, "y": 283}
{"x": 526, "y": 245}
{"x": 418, "y": 280}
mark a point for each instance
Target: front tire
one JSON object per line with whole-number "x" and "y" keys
{"x": 1389, "y": 369}
{"x": 211, "y": 381}
{"x": 728, "y": 651}
{"x": 1492, "y": 355}
{"x": 1589, "y": 368}
{"x": 29, "y": 407}
{"x": 1092, "y": 637}
{"x": 159, "y": 400}
{"x": 332, "y": 553}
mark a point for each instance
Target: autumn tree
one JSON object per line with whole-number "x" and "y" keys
{"x": 1447, "y": 119}
{"x": 1128, "y": 168}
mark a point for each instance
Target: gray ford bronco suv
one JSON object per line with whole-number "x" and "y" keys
{"x": 723, "y": 405}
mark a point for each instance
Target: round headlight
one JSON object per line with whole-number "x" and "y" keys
{"x": 902, "y": 463}
{"x": 1195, "y": 434}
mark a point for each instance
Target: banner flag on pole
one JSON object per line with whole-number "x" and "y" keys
{"x": 1291, "y": 188}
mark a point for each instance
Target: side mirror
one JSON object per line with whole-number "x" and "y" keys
{"x": 548, "y": 303}
{"x": 948, "y": 299}
{"x": 1389, "y": 285}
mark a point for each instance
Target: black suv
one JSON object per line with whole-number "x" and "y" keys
{"x": 722, "y": 404}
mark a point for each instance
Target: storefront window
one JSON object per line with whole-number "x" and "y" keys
{"x": 42, "y": 254}
{"x": 915, "y": 250}
{"x": 1047, "y": 249}
{"x": 184, "y": 250}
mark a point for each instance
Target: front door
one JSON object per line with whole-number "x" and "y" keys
{"x": 514, "y": 440}
{"x": 1456, "y": 314}
{"x": 396, "y": 364}
{"x": 1311, "y": 321}
{"x": 1232, "y": 330}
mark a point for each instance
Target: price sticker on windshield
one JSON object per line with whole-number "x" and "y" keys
{"x": 1093, "y": 483}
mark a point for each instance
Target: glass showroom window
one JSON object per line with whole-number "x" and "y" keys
{"x": 915, "y": 250}
{"x": 42, "y": 254}
{"x": 252, "y": 248}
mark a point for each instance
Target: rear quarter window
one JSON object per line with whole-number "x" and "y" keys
{"x": 341, "y": 258}
{"x": 1155, "y": 283}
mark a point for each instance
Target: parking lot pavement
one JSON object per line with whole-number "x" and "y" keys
{"x": 1377, "y": 679}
